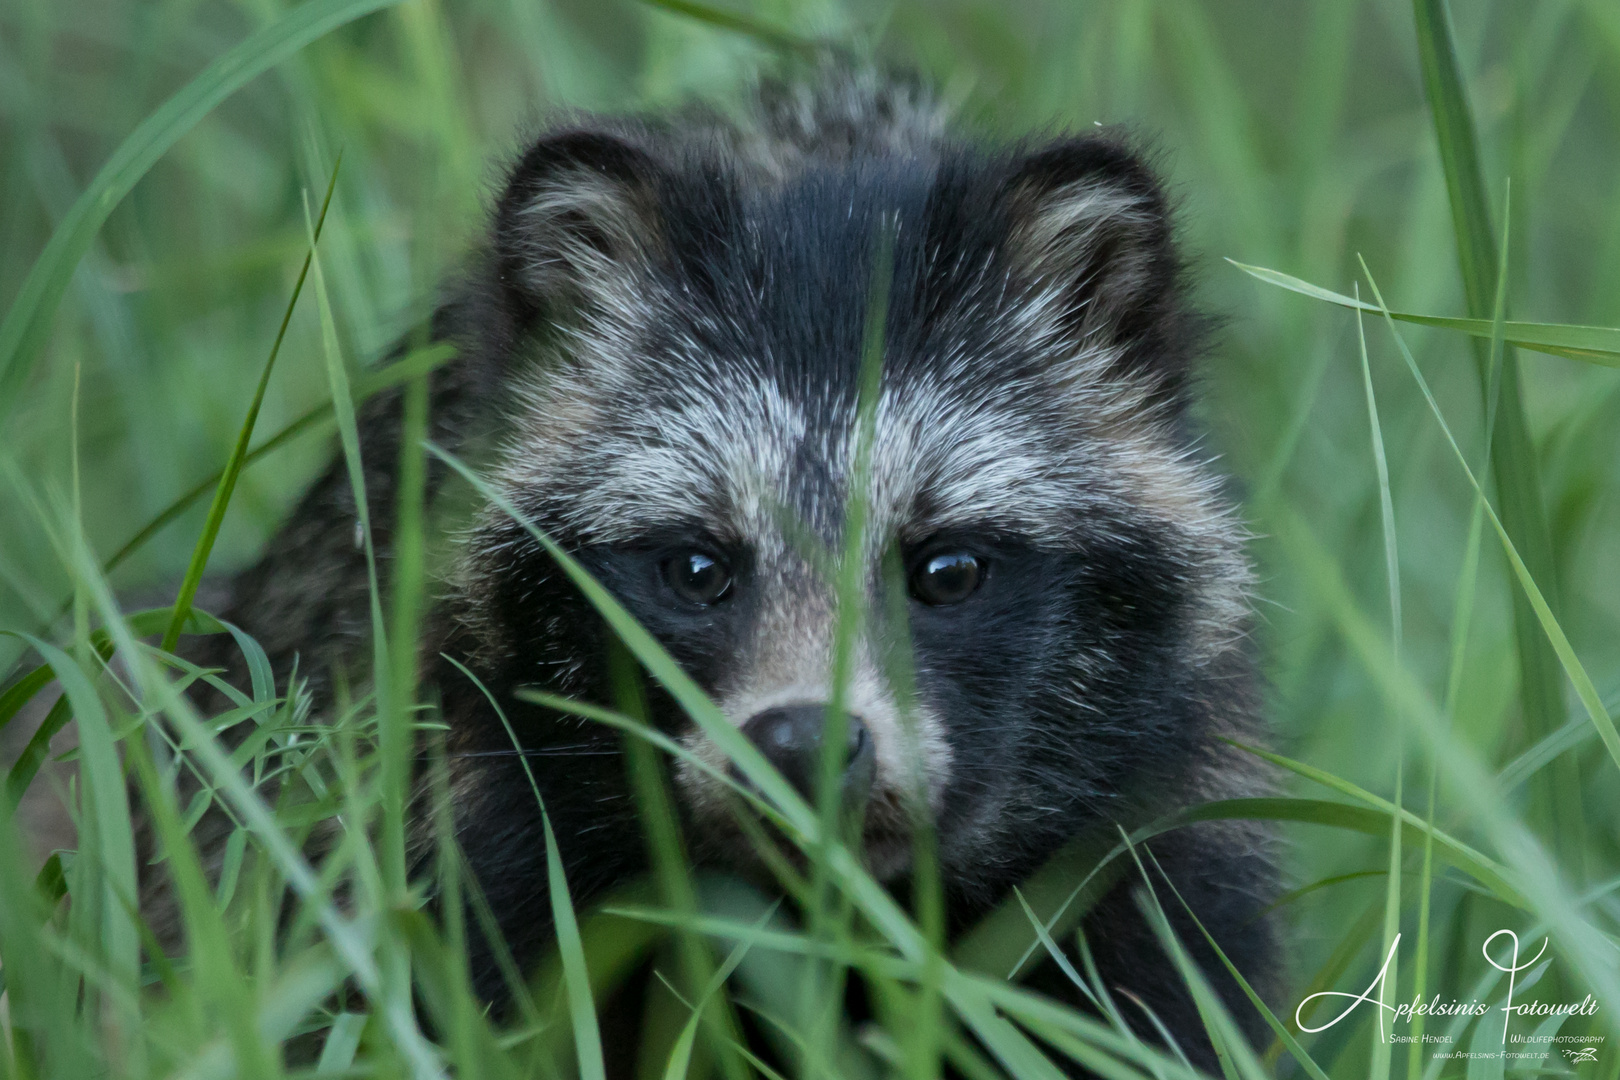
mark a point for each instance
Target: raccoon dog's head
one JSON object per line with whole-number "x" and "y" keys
{"x": 686, "y": 342}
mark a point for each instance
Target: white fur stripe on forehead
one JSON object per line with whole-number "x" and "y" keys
{"x": 720, "y": 452}
{"x": 1031, "y": 457}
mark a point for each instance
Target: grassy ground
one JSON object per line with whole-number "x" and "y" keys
{"x": 1402, "y": 644}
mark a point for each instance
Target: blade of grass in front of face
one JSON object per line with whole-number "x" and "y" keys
{"x": 576, "y": 978}
{"x": 27, "y": 323}
{"x": 658, "y": 740}
{"x": 233, "y": 465}
{"x": 1557, "y": 800}
{"x": 1378, "y": 1068}
{"x": 829, "y": 914}
{"x": 1553, "y": 632}
{"x": 926, "y": 1026}
{"x": 1593, "y": 344}
{"x": 667, "y": 849}
{"x": 652, "y": 656}
{"x": 791, "y": 882}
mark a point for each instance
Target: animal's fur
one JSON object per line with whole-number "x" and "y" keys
{"x": 663, "y": 343}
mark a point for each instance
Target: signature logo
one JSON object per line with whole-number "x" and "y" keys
{"x": 1380, "y": 988}
{"x": 1585, "y": 1053}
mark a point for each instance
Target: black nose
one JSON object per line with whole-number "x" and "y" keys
{"x": 790, "y": 737}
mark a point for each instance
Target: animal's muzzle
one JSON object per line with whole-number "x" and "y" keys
{"x": 792, "y": 736}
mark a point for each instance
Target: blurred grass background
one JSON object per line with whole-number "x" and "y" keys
{"x": 1296, "y": 136}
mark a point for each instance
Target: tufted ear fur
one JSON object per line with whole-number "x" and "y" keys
{"x": 1090, "y": 224}
{"x": 578, "y": 223}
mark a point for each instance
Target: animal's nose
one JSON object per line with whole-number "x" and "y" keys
{"x": 791, "y": 738}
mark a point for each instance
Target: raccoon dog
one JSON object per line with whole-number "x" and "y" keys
{"x": 663, "y": 346}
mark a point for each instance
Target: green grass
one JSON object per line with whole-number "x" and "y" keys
{"x": 1448, "y": 772}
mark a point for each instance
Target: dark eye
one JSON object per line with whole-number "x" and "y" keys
{"x": 698, "y": 578}
{"x": 947, "y": 578}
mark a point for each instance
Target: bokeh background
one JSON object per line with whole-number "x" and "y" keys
{"x": 1295, "y": 134}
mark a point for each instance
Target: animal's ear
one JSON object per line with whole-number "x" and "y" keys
{"x": 1091, "y": 226}
{"x": 579, "y": 220}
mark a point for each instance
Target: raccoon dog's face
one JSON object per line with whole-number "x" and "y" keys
{"x": 687, "y": 341}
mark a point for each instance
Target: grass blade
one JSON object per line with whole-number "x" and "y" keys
{"x": 681, "y": 1057}
{"x": 107, "y": 807}
{"x": 33, "y": 755}
{"x": 1382, "y": 1048}
{"x": 1513, "y": 453}
{"x": 22, "y": 691}
{"x": 1593, "y": 344}
{"x": 1536, "y": 878}
{"x": 28, "y": 321}
{"x": 1459, "y": 150}
{"x": 1276, "y": 1025}
{"x": 576, "y": 976}
{"x": 581, "y": 1008}
{"x": 415, "y": 363}
{"x": 233, "y": 466}
{"x": 1237, "y": 1058}
{"x": 1462, "y": 615}
{"x": 875, "y": 903}
{"x": 1564, "y": 652}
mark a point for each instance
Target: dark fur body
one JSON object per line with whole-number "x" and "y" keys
{"x": 662, "y": 341}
